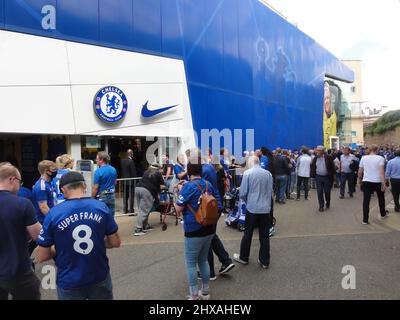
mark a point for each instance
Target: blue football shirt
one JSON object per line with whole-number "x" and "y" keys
{"x": 59, "y": 196}
{"x": 210, "y": 175}
{"x": 42, "y": 191}
{"x": 105, "y": 177}
{"x": 77, "y": 228}
{"x": 179, "y": 169}
{"x": 190, "y": 194}
{"x": 25, "y": 193}
{"x": 264, "y": 162}
{"x": 223, "y": 164}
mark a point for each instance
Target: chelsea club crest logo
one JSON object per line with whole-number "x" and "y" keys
{"x": 110, "y": 104}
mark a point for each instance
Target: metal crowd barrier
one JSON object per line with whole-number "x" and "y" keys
{"x": 125, "y": 191}
{"x": 124, "y": 194}
{"x": 235, "y": 176}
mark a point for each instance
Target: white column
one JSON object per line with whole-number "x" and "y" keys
{"x": 161, "y": 147}
{"x": 106, "y": 144}
{"x": 76, "y": 148}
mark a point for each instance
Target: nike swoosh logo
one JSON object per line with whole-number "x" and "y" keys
{"x": 146, "y": 113}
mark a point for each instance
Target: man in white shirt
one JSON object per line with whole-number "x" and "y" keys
{"x": 346, "y": 173}
{"x": 303, "y": 172}
{"x": 371, "y": 177}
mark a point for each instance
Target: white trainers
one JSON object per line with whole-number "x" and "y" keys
{"x": 236, "y": 257}
{"x": 139, "y": 232}
{"x": 204, "y": 296}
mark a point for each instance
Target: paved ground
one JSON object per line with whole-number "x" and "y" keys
{"x": 307, "y": 257}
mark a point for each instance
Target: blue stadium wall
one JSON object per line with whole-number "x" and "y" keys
{"x": 246, "y": 66}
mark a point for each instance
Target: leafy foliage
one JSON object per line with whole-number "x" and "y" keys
{"x": 389, "y": 121}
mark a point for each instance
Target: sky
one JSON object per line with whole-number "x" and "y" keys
{"x": 356, "y": 29}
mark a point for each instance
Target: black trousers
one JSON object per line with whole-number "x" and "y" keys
{"x": 395, "y": 183}
{"x": 223, "y": 256}
{"x": 129, "y": 194}
{"x": 368, "y": 189}
{"x": 324, "y": 187}
{"x": 302, "y": 181}
{"x": 25, "y": 287}
{"x": 263, "y": 223}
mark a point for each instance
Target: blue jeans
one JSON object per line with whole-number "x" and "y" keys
{"x": 99, "y": 291}
{"x": 281, "y": 182}
{"x": 292, "y": 182}
{"x": 196, "y": 253}
{"x": 168, "y": 182}
{"x": 338, "y": 179}
{"x": 109, "y": 200}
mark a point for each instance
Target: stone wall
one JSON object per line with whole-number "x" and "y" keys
{"x": 392, "y": 136}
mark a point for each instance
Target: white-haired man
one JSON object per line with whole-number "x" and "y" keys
{"x": 256, "y": 192}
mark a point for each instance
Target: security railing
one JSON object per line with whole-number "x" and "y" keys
{"x": 125, "y": 196}
{"x": 235, "y": 176}
{"x": 125, "y": 191}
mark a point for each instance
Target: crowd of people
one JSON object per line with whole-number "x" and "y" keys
{"x": 75, "y": 230}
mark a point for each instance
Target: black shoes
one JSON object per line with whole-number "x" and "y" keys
{"x": 328, "y": 205}
{"x": 321, "y": 210}
{"x": 227, "y": 268}
{"x": 213, "y": 277}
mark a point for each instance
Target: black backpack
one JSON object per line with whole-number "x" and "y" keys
{"x": 354, "y": 166}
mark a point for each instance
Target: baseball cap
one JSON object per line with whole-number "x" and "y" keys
{"x": 71, "y": 177}
{"x": 155, "y": 166}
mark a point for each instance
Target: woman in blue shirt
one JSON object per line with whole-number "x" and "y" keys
{"x": 64, "y": 163}
{"x": 179, "y": 168}
{"x": 197, "y": 237}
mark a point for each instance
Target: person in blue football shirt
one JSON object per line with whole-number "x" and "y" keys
{"x": 43, "y": 190}
{"x": 105, "y": 178}
{"x": 209, "y": 174}
{"x": 25, "y": 193}
{"x": 197, "y": 237}
{"x": 64, "y": 164}
{"x": 180, "y": 169}
{"x": 80, "y": 229}
{"x": 267, "y": 163}
{"x": 264, "y": 161}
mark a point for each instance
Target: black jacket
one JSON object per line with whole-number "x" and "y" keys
{"x": 330, "y": 166}
{"x": 281, "y": 164}
{"x": 128, "y": 168}
{"x": 152, "y": 181}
